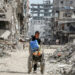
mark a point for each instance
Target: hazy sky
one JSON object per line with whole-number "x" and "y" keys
{"x": 36, "y": 1}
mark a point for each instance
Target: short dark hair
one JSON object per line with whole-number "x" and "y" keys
{"x": 37, "y": 32}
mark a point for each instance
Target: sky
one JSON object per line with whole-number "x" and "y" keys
{"x": 36, "y": 1}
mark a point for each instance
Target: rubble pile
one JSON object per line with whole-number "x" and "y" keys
{"x": 72, "y": 71}
{"x": 3, "y": 48}
{"x": 65, "y": 55}
{"x": 3, "y": 52}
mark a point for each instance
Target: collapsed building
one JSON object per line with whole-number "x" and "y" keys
{"x": 5, "y": 18}
{"x": 41, "y": 19}
{"x": 64, "y": 19}
{"x": 65, "y": 58}
{"x": 13, "y": 17}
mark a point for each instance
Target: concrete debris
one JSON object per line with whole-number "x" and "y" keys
{"x": 3, "y": 52}
{"x": 72, "y": 71}
{"x": 65, "y": 55}
{"x": 69, "y": 70}
{"x": 6, "y": 45}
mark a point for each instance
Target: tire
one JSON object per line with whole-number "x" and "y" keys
{"x": 42, "y": 65}
{"x": 29, "y": 67}
{"x": 29, "y": 64}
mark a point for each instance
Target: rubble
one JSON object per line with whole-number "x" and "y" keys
{"x": 65, "y": 55}
{"x": 5, "y": 46}
{"x": 72, "y": 71}
{"x": 3, "y": 52}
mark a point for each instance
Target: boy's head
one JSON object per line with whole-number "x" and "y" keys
{"x": 37, "y": 34}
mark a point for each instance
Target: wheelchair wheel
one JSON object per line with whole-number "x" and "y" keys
{"x": 29, "y": 65}
{"x": 42, "y": 65}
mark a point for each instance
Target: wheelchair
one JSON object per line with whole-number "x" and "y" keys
{"x": 39, "y": 60}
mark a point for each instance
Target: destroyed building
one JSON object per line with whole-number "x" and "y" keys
{"x": 13, "y": 17}
{"x": 5, "y": 18}
{"x": 41, "y": 19}
{"x": 64, "y": 19}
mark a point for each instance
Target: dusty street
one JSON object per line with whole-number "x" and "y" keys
{"x": 16, "y": 63}
{"x": 48, "y": 25}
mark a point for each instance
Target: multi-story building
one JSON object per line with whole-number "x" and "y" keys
{"x": 13, "y": 16}
{"x": 5, "y": 19}
{"x": 64, "y": 18}
{"x": 41, "y": 16}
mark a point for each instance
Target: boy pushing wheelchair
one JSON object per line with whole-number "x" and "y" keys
{"x": 36, "y": 55}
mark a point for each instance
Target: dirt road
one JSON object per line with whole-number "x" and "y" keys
{"x": 16, "y": 63}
